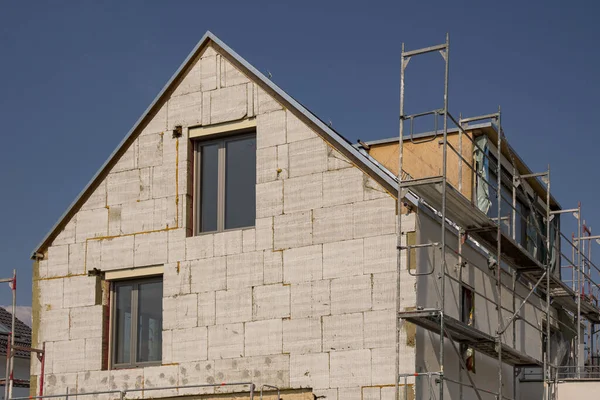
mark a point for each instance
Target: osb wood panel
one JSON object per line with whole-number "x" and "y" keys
{"x": 424, "y": 159}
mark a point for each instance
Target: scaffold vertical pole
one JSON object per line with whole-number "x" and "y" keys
{"x": 446, "y": 55}
{"x": 42, "y": 369}
{"x": 7, "y": 367}
{"x": 13, "y": 286}
{"x": 499, "y": 254}
{"x": 461, "y": 309}
{"x": 443, "y": 49}
{"x": 399, "y": 234}
{"x": 547, "y": 373}
{"x": 579, "y": 262}
{"x": 589, "y": 295}
{"x": 11, "y": 337}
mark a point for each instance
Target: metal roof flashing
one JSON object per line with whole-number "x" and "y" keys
{"x": 368, "y": 164}
{"x": 427, "y": 134}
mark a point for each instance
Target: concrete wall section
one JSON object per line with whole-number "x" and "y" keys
{"x": 305, "y": 299}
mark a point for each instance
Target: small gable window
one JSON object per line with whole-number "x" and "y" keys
{"x": 225, "y": 183}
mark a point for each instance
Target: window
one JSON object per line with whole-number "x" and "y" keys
{"x": 225, "y": 184}
{"x": 521, "y": 211}
{"x": 468, "y": 306}
{"x": 529, "y": 226}
{"x": 468, "y": 317}
{"x": 507, "y": 210}
{"x": 521, "y": 216}
{"x": 137, "y": 322}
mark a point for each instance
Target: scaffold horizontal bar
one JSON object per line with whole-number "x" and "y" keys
{"x": 425, "y": 50}
{"x": 418, "y": 246}
{"x": 588, "y": 237}
{"x": 422, "y": 181}
{"x": 570, "y": 210}
{"x": 28, "y": 349}
{"x": 478, "y": 118}
{"x": 439, "y": 111}
{"x": 535, "y": 175}
{"x": 409, "y": 375}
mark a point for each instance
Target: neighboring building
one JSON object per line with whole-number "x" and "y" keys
{"x": 21, "y": 366}
{"x": 235, "y": 237}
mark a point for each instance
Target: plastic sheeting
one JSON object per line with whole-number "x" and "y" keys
{"x": 482, "y": 162}
{"x": 554, "y": 240}
{"x": 568, "y": 330}
{"x": 560, "y": 349}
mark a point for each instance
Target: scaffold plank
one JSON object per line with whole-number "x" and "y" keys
{"x": 465, "y": 334}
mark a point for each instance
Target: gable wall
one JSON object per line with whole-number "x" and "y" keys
{"x": 306, "y": 299}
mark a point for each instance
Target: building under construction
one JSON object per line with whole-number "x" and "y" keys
{"x": 235, "y": 243}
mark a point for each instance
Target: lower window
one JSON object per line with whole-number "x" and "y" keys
{"x": 137, "y": 322}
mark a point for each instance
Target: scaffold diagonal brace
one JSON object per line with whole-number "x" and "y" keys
{"x": 462, "y": 364}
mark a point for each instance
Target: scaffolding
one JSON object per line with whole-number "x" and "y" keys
{"x": 9, "y": 382}
{"x": 538, "y": 268}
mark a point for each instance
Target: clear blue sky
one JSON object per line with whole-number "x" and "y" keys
{"x": 75, "y": 76}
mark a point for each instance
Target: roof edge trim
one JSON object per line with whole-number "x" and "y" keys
{"x": 428, "y": 134}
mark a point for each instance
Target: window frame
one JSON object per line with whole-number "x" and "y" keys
{"x": 221, "y": 141}
{"x": 467, "y": 291}
{"x": 134, "y": 282}
{"x": 521, "y": 217}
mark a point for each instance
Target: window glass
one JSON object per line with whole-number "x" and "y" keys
{"x": 521, "y": 220}
{"x": 137, "y": 321}
{"x": 209, "y": 167}
{"x": 507, "y": 211}
{"x": 468, "y": 307}
{"x": 468, "y": 317}
{"x": 149, "y": 328}
{"x": 506, "y": 219}
{"x": 123, "y": 324}
{"x": 240, "y": 181}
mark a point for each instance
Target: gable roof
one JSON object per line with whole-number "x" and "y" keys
{"x": 21, "y": 329}
{"x": 22, "y": 333}
{"x": 362, "y": 160}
